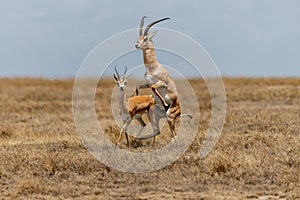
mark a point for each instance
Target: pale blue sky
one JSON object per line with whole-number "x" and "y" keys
{"x": 244, "y": 37}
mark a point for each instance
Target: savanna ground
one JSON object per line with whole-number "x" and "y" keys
{"x": 256, "y": 157}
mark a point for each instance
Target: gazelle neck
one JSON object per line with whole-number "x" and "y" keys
{"x": 149, "y": 55}
{"x": 123, "y": 109}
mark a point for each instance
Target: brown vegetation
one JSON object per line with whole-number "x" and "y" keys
{"x": 257, "y": 155}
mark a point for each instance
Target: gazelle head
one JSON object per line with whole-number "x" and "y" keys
{"x": 121, "y": 81}
{"x": 145, "y": 39}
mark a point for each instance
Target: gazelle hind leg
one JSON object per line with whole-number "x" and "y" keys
{"x": 154, "y": 119}
{"x": 143, "y": 124}
{"x": 171, "y": 123}
{"x": 127, "y": 139}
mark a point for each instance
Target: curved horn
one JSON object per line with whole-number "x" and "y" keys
{"x": 117, "y": 71}
{"x": 155, "y": 22}
{"x": 141, "y": 25}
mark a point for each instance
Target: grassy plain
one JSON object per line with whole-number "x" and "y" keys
{"x": 256, "y": 157}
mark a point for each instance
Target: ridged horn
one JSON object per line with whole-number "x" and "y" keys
{"x": 125, "y": 72}
{"x": 118, "y": 76}
{"x": 142, "y": 25}
{"x": 155, "y": 22}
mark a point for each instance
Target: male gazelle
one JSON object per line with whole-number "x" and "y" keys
{"x": 158, "y": 77}
{"x": 134, "y": 107}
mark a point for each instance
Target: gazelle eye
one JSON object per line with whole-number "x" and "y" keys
{"x": 145, "y": 39}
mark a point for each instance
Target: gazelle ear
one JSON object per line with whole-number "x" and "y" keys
{"x": 115, "y": 77}
{"x": 152, "y": 34}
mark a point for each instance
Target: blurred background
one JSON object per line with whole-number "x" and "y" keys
{"x": 250, "y": 38}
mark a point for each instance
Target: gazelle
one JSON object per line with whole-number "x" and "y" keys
{"x": 158, "y": 77}
{"x": 134, "y": 107}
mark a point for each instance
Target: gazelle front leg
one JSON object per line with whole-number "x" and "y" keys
{"x": 160, "y": 97}
{"x": 157, "y": 85}
{"x": 144, "y": 86}
{"x": 143, "y": 124}
{"x": 124, "y": 130}
{"x": 153, "y": 116}
{"x": 153, "y": 87}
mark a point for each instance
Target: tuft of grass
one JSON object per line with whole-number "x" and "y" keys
{"x": 6, "y": 132}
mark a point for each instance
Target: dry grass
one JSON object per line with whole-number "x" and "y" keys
{"x": 257, "y": 155}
